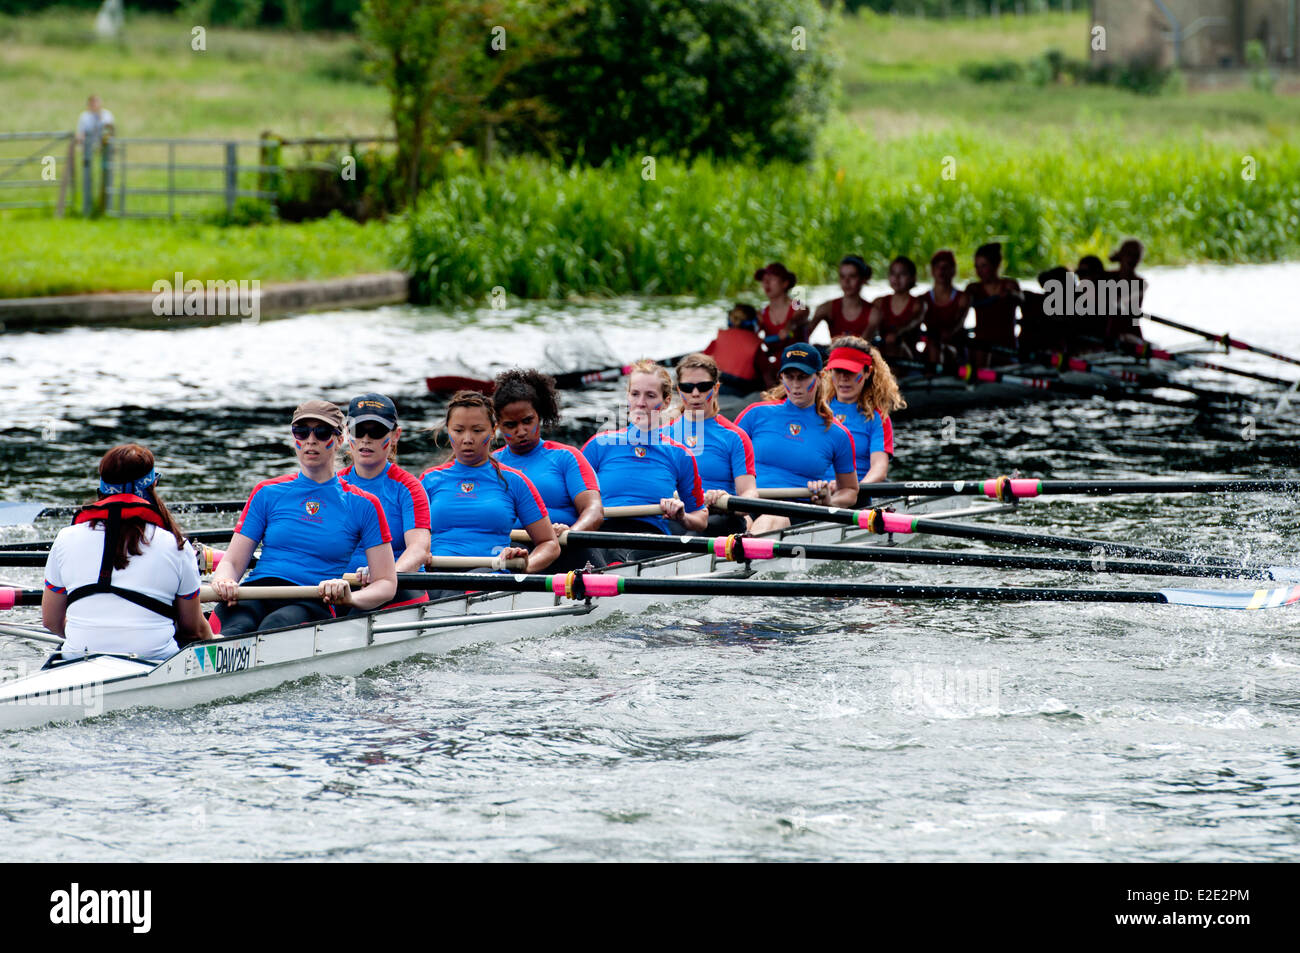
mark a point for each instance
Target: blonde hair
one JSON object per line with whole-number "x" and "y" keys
{"x": 823, "y": 400}
{"x": 881, "y": 392}
{"x": 701, "y": 362}
{"x": 647, "y": 366}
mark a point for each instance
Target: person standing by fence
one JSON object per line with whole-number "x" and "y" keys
{"x": 94, "y": 123}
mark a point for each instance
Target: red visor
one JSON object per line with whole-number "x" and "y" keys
{"x": 849, "y": 359}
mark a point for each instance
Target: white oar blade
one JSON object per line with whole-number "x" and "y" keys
{"x": 1289, "y": 574}
{"x": 1221, "y": 599}
{"x": 19, "y": 514}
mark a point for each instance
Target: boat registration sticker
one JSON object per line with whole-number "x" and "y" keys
{"x": 220, "y": 659}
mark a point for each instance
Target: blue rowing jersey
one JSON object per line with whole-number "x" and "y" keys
{"x": 868, "y": 434}
{"x": 793, "y": 445}
{"x": 477, "y": 507}
{"x": 310, "y": 530}
{"x": 637, "y": 468}
{"x": 722, "y": 450}
{"x": 558, "y": 472}
{"x": 404, "y": 501}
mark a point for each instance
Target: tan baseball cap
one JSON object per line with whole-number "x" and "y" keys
{"x": 321, "y": 410}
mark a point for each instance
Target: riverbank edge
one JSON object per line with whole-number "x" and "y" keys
{"x": 136, "y": 308}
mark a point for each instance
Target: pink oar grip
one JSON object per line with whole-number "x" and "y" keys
{"x": 8, "y": 598}
{"x": 1018, "y": 488}
{"x": 986, "y": 374}
{"x": 594, "y": 585}
{"x": 897, "y": 523}
{"x": 759, "y": 548}
{"x": 601, "y": 585}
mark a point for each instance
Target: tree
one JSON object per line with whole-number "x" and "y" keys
{"x": 733, "y": 78}
{"x": 445, "y": 63}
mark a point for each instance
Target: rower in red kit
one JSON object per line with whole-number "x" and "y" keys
{"x": 896, "y": 318}
{"x": 995, "y": 300}
{"x": 944, "y": 334}
{"x": 744, "y": 364}
{"x": 850, "y": 313}
{"x": 782, "y": 320}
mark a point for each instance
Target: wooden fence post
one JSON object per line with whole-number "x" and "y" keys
{"x": 231, "y": 177}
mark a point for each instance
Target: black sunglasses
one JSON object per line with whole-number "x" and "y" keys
{"x": 695, "y": 387}
{"x": 370, "y": 429}
{"x": 323, "y": 432}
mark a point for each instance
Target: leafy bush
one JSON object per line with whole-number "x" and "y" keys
{"x": 749, "y": 79}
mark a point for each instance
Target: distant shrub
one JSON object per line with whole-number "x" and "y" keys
{"x": 1001, "y": 71}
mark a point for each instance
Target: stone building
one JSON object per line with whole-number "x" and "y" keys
{"x": 1197, "y": 34}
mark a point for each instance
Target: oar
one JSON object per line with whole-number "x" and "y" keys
{"x": 1225, "y": 339}
{"x": 1004, "y": 488}
{"x": 569, "y": 380}
{"x": 1147, "y": 351}
{"x": 581, "y": 586}
{"x": 35, "y": 633}
{"x": 15, "y": 513}
{"x": 584, "y": 585}
{"x": 748, "y": 548}
{"x": 878, "y": 521}
{"x": 988, "y": 375}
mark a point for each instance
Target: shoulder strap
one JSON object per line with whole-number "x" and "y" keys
{"x": 112, "y": 530}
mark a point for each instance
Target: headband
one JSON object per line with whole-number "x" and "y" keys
{"x": 135, "y": 487}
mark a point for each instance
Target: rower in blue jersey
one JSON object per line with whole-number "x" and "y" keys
{"x": 797, "y": 439}
{"x": 865, "y": 395}
{"x": 642, "y": 466}
{"x": 723, "y": 454}
{"x": 310, "y": 523}
{"x": 526, "y": 402}
{"x": 373, "y": 433}
{"x": 476, "y": 500}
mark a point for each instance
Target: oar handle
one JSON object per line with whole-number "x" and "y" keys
{"x": 631, "y": 512}
{"x": 244, "y": 593}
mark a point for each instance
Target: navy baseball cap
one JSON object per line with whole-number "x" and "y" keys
{"x": 375, "y": 407}
{"x": 801, "y": 357}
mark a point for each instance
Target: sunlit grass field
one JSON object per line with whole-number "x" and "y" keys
{"x": 1054, "y": 171}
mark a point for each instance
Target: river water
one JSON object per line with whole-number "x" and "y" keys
{"x": 727, "y": 729}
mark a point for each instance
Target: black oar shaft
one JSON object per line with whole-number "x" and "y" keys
{"x": 1225, "y": 339}
{"x": 1026, "y": 487}
{"x": 633, "y": 585}
{"x": 902, "y": 523}
{"x": 742, "y": 547}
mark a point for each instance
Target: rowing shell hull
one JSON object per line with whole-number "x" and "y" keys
{"x": 230, "y": 668}
{"x": 929, "y": 397}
